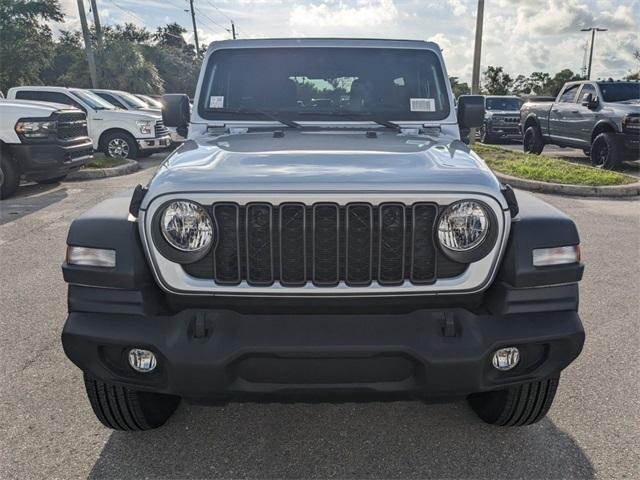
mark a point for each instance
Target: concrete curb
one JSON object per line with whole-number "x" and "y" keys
{"x": 96, "y": 173}
{"x": 631, "y": 190}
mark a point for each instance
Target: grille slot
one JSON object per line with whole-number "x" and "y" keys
{"x": 71, "y": 125}
{"x": 295, "y": 244}
{"x": 160, "y": 129}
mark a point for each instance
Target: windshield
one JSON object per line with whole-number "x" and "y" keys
{"x": 92, "y": 100}
{"x": 503, "y": 104}
{"x": 152, "y": 102}
{"x": 620, "y": 91}
{"x": 324, "y": 84}
{"x": 130, "y": 100}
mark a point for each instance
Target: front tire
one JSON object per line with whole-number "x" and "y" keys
{"x": 10, "y": 177}
{"x": 485, "y": 137}
{"x": 516, "y": 406}
{"x": 119, "y": 145}
{"x": 532, "y": 142}
{"x": 606, "y": 151}
{"x": 121, "y": 408}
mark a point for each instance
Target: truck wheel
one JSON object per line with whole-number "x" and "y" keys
{"x": 516, "y": 406}
{"x": 532, "y": 141}
{"x": 606, "y": 151}
{"x": 484, "y": 137}
{"x": 119, "y": 144}
{"x": 120, "y": 408}
{"x": 51, "y": 181}
{"x": 9, "y": 177}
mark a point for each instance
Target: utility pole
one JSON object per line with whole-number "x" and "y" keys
{"x": 233, "y": 30}
{"x": 96, "y": 23}
{"x": 593, "y": 31}
{"x": 87, "y": 44}
{"x": 475, "y": 77}
{"x": 195, "y": 29}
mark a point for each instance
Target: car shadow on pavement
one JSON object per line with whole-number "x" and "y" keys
{"x": 350, "y": 440}
{"x": 29, "y": 199}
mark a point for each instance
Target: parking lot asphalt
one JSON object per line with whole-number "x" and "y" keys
{"x": 47, "y": 429}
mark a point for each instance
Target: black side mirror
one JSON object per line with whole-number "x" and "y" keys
{"x": 176, "y": 111}
{"x": 589, "y": 101}
{"x": 470, "y": 111}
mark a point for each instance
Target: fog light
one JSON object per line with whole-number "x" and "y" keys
{"x": 506, "y": 358}
{"x": 142, "y": 360}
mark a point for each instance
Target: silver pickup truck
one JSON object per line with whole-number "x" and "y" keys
{"x": 602, "y": 118}
{"x": 296, "y": 249}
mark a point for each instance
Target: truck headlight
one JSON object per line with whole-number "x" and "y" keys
{"x": 186, "y": 226}
{"x": 465, "y": 231}
{"x": 36, "y": 129}
{"x": 145, "y": 126}
{"x": 631, "y": 122}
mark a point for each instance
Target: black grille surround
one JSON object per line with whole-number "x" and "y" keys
{"x": 71, "y": 126}
{"x": 324, "y": 244}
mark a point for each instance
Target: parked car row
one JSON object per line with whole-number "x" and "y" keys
{"x": 47, "y": 132}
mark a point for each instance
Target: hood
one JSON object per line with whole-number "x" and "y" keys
{"x": 127, "y": 114}
{"x": 628, "y": 106}
{"x": 323, "y": 161}
{"x": 32, "y": 108}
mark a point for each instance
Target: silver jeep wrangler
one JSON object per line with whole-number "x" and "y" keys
{"x": 323, "y": 233}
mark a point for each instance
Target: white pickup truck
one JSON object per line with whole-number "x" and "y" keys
{"x": 40, "y": 141}
{"x": 116, "y": 132}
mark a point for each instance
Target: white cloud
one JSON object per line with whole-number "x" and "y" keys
{"x": 331, "y": 14}
{"x": 458, "y": 7}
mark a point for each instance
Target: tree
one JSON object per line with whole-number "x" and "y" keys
{"x": 555, "y": 84}
{"x": 26, "y": 41}
{"x": 496, "y": 82}
{"x": 459, "y": 88}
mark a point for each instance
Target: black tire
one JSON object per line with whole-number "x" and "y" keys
{"x": 484, "y": 137}
{"x": 10, "y": 177}
{"x": 532, "y": 141}
{"x": 606, "y": 151}
{"x": 119, "y": 144}
{"x": 120, "y": 408}
{"x": 516, "y": 406}
{"x": 51, "y": 181}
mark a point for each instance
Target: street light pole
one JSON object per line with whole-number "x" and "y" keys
{"x": 195, "y": 29}
{"x": 475, "y": 76}
{"x": 593, "y": 31}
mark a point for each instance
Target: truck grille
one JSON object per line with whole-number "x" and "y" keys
{"x": 72, "y": 125}
{"x": 160, "y": 129}
{"x": 325, "y": 244}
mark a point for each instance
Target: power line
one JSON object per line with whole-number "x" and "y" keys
{"x": 221, "y": 12}
{"x": 212, "y": 21}
{"x": 128, "y": 12}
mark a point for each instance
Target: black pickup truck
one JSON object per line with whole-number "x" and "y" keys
{"x": 600, "y": 117}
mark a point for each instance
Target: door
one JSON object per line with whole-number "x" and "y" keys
{"x": 587, "y": 117}
{"x": 563, "y": 113}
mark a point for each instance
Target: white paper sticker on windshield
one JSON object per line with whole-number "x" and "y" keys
{"x": 423, "y": 104}
{"x": 216, "y": 102}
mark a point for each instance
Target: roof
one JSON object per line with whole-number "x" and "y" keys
{"x": 323, "y": 42}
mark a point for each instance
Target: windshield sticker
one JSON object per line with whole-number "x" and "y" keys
{"x": 216, "y": 102}
{"x": 423, "y": 104}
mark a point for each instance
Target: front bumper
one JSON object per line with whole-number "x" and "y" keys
{"x": 40, "y": 161}
{"x": 631, "y": 143}
{"x": 157, "y": 143}
{"x": 511, "y": 131}
{"x": 208, "y": 355}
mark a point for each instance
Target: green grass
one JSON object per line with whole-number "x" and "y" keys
{"x": 105, "y": 162}
{"x": 547, "y": 169}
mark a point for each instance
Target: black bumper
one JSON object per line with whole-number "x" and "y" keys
{"x": 631, "y": 143}
{"x": 41, "y": 161}
{"x": 216, "y": 354}
{"x": 503, "y": 131}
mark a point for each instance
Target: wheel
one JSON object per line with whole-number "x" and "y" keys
{"x": 119, "y": 144}
{"x": 9, "y": 177}
{"x": 484, "y": 137}
{"x": 50, "y": 181}
{"x": 120, "y": 408}
{"x": 532, "y": 141}
{"x": 606, "y": 151}
{"x": 516, "y": 406}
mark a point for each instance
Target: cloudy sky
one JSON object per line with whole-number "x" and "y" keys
{"x": 521, "y": 35}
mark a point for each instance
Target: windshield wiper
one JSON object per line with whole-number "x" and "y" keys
{"x": 271, "y": 116}
{"x": 358, "y": 116}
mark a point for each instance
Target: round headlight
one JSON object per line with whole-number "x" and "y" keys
{"x": 463, "y": 226}
{"x": 186, "y": 226}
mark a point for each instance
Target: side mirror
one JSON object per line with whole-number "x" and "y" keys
{"x": 470, "y": 111}
{"x": 589, "y": 101}
{"x": 176, "y": 112}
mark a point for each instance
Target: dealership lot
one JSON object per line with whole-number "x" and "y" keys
{"x": 48, "y": 430}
